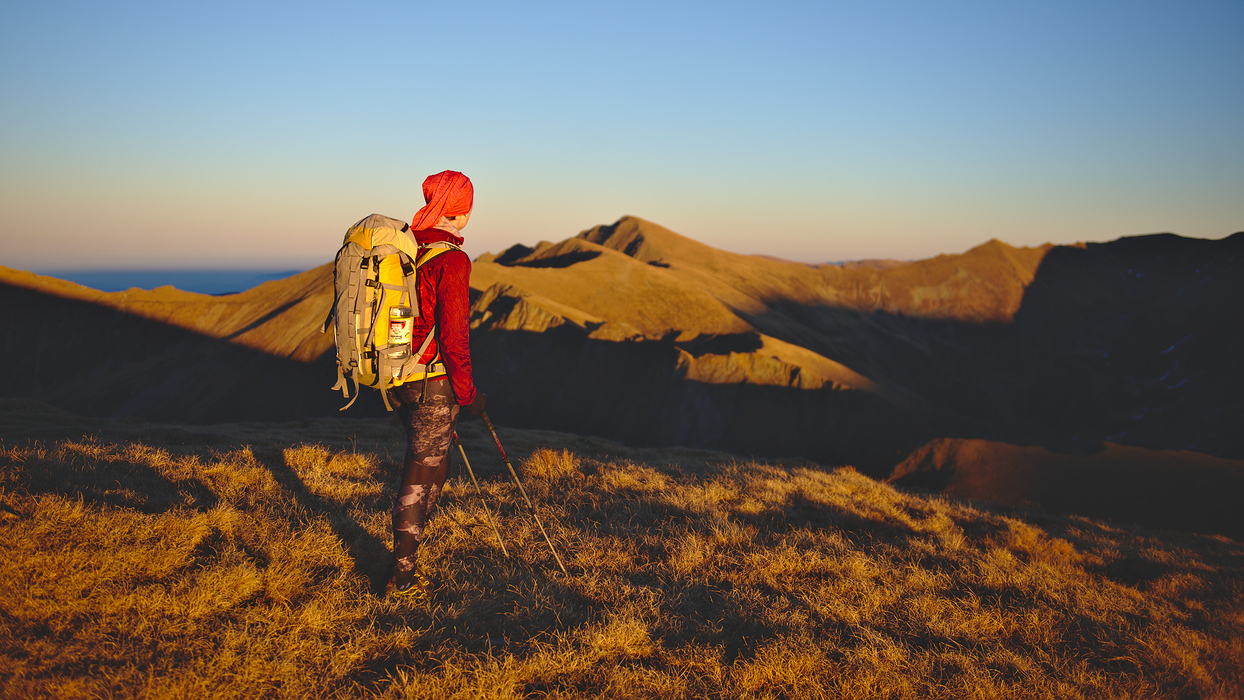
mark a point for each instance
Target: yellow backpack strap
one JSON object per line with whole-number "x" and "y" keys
{"x": 431, "y": 250}
{"x": 412, "y": 284}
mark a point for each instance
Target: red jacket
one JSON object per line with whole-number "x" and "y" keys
{"x": 444, "y": 298}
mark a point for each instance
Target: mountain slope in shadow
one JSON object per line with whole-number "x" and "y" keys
{"x": 1067, "y": 346}
{"x": 1157, "y": 488}
{"x": 170, "y": 355}
{"x": 280, "y": 317}
{"x": 1001, "y": 353}
{"x": 96, "y": 360}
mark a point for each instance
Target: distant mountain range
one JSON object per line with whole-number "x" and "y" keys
{"x": 203, "y": 281}
{"x": 633, "y": 332}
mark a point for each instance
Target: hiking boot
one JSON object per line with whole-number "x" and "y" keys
{"x": 415, "y": 590}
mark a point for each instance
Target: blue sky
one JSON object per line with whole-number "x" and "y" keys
{"x": 252, "y": 134}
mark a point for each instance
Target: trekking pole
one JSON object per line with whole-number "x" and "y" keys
{"x": 480, "y": 493}
{"x": 504, "y": 458}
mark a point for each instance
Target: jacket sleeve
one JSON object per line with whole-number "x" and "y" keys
{"x": 453, "y": 331}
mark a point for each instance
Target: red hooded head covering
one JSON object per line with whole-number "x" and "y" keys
{"x": 447, "y": 193}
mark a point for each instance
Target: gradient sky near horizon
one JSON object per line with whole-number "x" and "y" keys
{"x": 226, "y": 134}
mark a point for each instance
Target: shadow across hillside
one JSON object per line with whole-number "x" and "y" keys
{"x": 114, "y": 482}
{"x": 1156, "y": 488}
{"x": 633, "y": 392}
{"x": 1135, "y": 341}
{"x": 514, "y": 256}
{"x": 96, "y": 360}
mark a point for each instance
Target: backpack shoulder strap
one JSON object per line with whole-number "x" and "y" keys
{"x": 428, "y": 251}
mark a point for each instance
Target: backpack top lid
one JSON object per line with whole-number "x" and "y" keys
{"x": 379, "y": 230}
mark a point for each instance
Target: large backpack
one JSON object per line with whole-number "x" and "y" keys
{"x": 376, "y": 270}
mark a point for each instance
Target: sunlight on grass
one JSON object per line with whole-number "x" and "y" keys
{"x": 153, "y": 568}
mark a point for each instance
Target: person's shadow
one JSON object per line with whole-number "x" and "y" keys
{"x": 370, "y": 555}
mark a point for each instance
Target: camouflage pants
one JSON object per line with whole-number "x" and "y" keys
{"x": 429, "y": 435}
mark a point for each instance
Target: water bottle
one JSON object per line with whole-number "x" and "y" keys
{"x": 401, "y": 325}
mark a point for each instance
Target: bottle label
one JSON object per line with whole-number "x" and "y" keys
{"x": 400, "y": 330}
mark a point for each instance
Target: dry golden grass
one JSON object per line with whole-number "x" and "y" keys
{"x": 243, "y": 561}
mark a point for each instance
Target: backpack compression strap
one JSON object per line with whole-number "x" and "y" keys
{"x": 346, "y": 336}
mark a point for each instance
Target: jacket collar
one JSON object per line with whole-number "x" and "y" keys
{"x": 433, "y": 235}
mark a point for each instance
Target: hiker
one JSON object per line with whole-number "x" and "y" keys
{"x": 429, "y": 406}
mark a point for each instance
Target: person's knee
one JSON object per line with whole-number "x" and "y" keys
{"x": 411, "y": 495}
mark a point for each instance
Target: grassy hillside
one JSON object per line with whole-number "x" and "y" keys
{"x": 244, "y": 561}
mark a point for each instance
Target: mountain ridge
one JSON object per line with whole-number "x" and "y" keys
{"x": 633, "y": 332}
{"x": 245, "y": 318}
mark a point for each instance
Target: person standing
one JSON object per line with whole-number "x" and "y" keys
{"x": 429, "y": 405}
